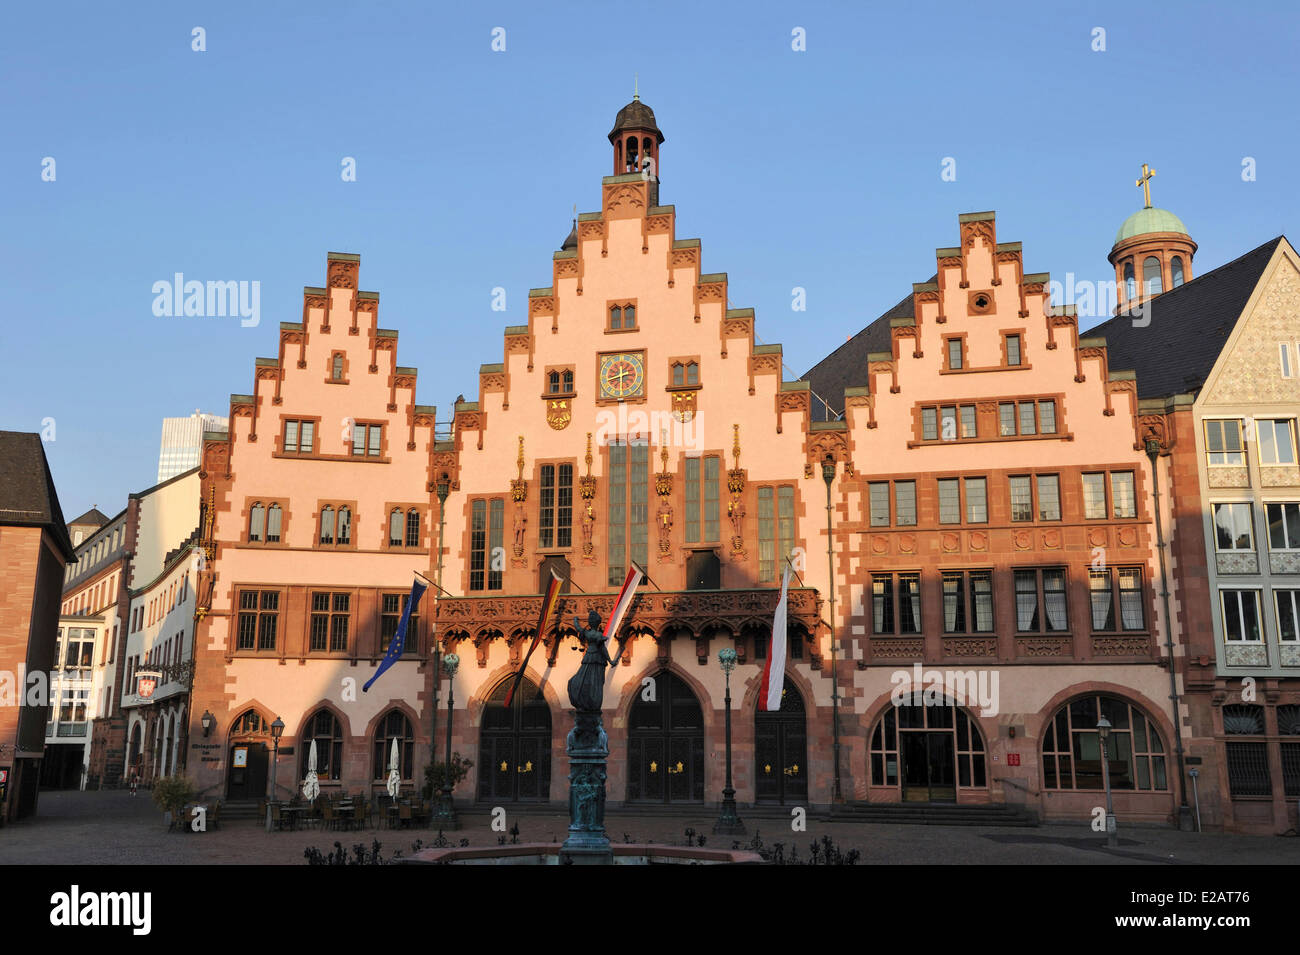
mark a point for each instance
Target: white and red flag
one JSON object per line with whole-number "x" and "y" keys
{"x": 769, "y": 693}
{"x": 630, "y": 584}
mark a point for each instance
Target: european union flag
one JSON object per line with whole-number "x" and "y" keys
{"x": 399, "y": 638}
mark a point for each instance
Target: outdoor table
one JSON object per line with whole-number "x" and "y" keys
{"x": 292, "y": 814}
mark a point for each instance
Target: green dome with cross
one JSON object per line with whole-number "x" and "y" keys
{"x": 1149, "y": 220}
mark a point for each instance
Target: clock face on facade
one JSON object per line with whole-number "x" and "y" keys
{"x": 622, "y": 375}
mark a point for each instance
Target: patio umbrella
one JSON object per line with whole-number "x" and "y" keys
{"x": 310, "y": 785}
{"x": 394, "y": 773}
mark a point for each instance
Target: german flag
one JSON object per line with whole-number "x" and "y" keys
{"x": 543, "y": 624}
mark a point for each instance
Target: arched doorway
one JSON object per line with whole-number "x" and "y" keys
{"x": 514, "y": 755}
{"x": 133, "y": 753}
{"x": 781, "y": 750}
{"x": 665, "y": 743}
{"x": 248, "y": 759}
{"x": 928, "y": 752}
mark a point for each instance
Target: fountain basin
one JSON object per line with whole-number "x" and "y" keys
{"x": 548, "y": 853}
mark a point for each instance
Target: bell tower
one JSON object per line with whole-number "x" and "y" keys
{"x": 1152, "y": 253}
{"x": 636, "y": 139}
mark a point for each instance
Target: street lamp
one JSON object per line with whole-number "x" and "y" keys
{"x": 728, "y": 822}
{"x": 207, "y": 721}
{"x": 1184, "y": 811}
{"x": 828, "y": 475}
{"x": 277, "y": 730}
{"x": 1103, "y": 734}
{"x": 445, "y": 818}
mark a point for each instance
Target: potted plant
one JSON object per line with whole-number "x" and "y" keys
{"x": 439, "y": 776}
{"x": 171, "y": 794}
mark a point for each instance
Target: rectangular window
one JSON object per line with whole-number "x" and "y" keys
{"x": 1223, "y": 442}
{"x": 905, "y": 504}
{"x": 1284, "y": 351}
{"x": 486, "y": 554}
{"x": 1288, "y": 614}
{"x": 1013, "y": 349}
{"x": 1284, "y": 526}
{"x": 1094, "y": 496}
{"x": 879, "y": 496}
{"x": 1047, "y": 417}
{"x": 949, "y": 501}
{"x": 1276, "y": 441}
{"x": 1022, "y": 499}
{"x": 1049, "y": 497}
{"x": 701, "y": 499}
{"x": 1102, "y": 600}
{"x": 1240, "y": 616}
{"x": 299, "y": 436}
{"x": 1130, "y": 599}
{"x": 1233, "y": 527}
{"x": 882, "y": 603}
{"x": 1028, "y": 617}
{"x": 1026, "y": 417}
{"x": 977, "y": 504}
{"x": 909, "y": 603}
{"x": 79, "y": 649}
{"x": 629, "y": 490}
{"x": 948, "y": 422}
{"x": 959, "y": 616}
{"x": 954, "y": 353}
{"x": 390, "y": 614}
{"x": 330, "y": 619}
{"x": 259, "y": 616}
{"x": 1006, "y": 419}
{"x": 968, "y": 428}
{"x": 1122, "y": 496}
{"x": 775, "y": 530}
{"x": 367, "y": 440}
{"x": 1054, "y": 599}
{"x": 930, "y": 424}
{"x": 555, "y": 516}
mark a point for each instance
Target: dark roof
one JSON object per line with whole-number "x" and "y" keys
{"x": 1188, "y": 327}
{"x": 635, "y": 115}
{"x": 94, "y": 517}
{"x": 570, "y": 240}
{"x": 846, "y": 367}
{"x": 27, "y": 495}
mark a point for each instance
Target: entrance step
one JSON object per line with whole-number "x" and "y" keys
{"x": 935, "y": 814}
{"x": 238, "y": 809}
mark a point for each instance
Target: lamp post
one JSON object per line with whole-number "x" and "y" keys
{"x": 728, "y": 822}
{"x": 277, "y": 730}
{"x": 1184, "y": 811}
{"x": 443, "y": 488}
{"x": 445, "y": 818}
{"x": 1103, "y": 734}
{"x": 828, "y": 475}
{"x": 207, "y": 722}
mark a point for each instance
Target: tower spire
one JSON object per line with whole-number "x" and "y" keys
{"x": 636, "y": 87}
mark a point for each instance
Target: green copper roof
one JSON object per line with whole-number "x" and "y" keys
{"x": 1149, "y": 220}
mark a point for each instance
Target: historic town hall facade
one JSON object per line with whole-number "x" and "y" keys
{"x": 983, "y": 481}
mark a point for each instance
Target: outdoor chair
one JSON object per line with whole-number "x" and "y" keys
{"x": 329, "y": 815}
{"x": 276, "y": 819}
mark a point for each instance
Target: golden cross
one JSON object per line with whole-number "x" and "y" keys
{"x": 1145, "y": 183}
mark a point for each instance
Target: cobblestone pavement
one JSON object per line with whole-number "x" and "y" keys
{"x": 99, "y": 828}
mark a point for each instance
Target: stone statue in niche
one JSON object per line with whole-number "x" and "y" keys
{"x": 588, "y": 523}
{"x": 521, "y": 529}
{"x": 664, "y": 521}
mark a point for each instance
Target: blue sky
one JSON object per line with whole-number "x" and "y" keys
{"x": 818, "y": 169}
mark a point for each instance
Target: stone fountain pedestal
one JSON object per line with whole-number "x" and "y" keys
{"x": 588, "y": 749}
